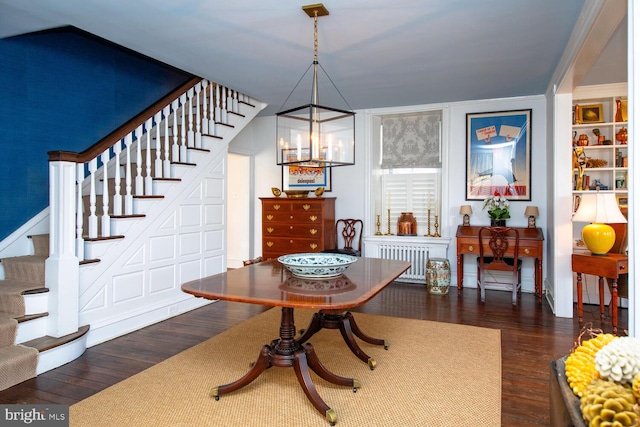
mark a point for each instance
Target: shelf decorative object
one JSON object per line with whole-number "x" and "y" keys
{"x": 497, "y": 207}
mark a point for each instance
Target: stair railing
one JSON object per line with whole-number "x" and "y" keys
{"x": 165, "y": 131}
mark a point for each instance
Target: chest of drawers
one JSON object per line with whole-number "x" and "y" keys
{"x": 297, "y": 225}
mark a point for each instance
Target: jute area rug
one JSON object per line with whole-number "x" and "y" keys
{"x": 433, "y": 374}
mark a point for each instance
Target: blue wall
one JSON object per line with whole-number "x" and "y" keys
{"x": 64, "y": 90}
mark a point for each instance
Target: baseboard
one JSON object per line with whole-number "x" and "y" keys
{"x": 108, "y": 330}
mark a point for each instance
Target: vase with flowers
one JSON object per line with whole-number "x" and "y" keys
{"x": 497, "y": 207}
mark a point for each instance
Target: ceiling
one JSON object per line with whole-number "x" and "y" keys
{"x": 377, "y": 53}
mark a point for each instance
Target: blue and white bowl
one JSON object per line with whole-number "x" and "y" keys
{"x": 317, "y": 265}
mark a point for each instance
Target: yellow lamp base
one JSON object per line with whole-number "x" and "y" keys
{"x": 599, "y": 238}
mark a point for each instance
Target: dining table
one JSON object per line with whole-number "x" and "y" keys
{"x": 270, "y": 283}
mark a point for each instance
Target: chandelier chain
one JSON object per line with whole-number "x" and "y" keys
{"x": 315, "y": 36}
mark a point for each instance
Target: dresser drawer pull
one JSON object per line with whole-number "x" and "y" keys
{"x": 313, "y": 218}
{"x": 313, "y": 245}
{"x": 306, "y": 207}
{"x": 313, "y": 231}
{"x": 276, "y": 207}
{"x": 269, "y": 244}
{"x": 270, "y": 230}
{"x": 269, "y": 217}
{"x": 527, "y": 251}
{"x": 623, "y": 267}
{"x": 470, "y": 249}
{"x": 291, "y": 227}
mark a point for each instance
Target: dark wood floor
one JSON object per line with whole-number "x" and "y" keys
{"x": 531, "y": 337}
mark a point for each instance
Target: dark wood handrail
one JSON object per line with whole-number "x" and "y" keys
{"x": 106, "y": 142}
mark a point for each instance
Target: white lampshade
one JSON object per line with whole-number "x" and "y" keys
{"x": 599, "y": 207}
{"x": 465, "y": 210}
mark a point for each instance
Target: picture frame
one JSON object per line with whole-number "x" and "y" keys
{"x": 498, "y": 155}
{"x": 296, "y": 177}
{"x": 590, "y": 113}
{"x": 623, "y": 200}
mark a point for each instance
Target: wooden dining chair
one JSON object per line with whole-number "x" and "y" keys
{"x": 348, "y": 237}
{"x": 498, "y": 252}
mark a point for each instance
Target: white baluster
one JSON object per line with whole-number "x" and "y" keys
{"x": 183, "y": 129}
{"x": 106, "y": 219}
{"x": 235, "y": 102}
{"x": 212, "y": 109}
{"x": 93, "y": 219}
{"x": 158, "y": 145}
{"x": 139, "y": 178}
{"x": 175, "y": 148}
{"x": 191, "y": 135}
{"x": 218, "y": 115}
{"x": 166, "y": 162}
{"x": 198, "y": 121}
{"x": 79, "y": 212}
{"x": 117, "y": 197}
{"x": 224, "y": 117}
{"x": 128, "y": 198}
{"x": 205, "y": 105}
{"x": 148, "y": 178}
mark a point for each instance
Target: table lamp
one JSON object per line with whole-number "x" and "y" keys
{"x": 465, "y": 210}
{"x": 532, "y": 213}
{"x": 599, "y": 209}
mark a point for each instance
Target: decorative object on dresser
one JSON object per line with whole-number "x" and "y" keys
{"x": 407, "y": 224}
{"x": 531, "y": 212}
{"x": 598, "y": 210}
{"x": 292, "y": 226}
{"x": 297, "y": 194}
{"x": 499, "y": 247}
{"x": 313, "y": 135}
{"x": 497, "y": 207}
{"x": 276, "y": 191}
{"x": 465, "y": 211}
{"x": 348, "y": 235}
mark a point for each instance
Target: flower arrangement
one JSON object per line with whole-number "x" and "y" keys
{"x": 497, "y": 207}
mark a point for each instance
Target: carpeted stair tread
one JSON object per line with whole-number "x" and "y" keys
{"x": 27, "y": 268}
{"x": 8, "y": 330}
{"x": 40, "y": 244}
{"x": 17, "y": 364}
{"x": 11, "y": 300}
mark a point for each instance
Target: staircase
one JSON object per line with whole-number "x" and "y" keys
{"x": 147, "y": 214}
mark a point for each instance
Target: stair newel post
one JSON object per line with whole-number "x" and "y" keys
{"x": 158, "y": 145}
{"x": 139, "y": 183}
{"x": 106, "y": 219}
{"x": 183, "y": 128}
{"x": 166, "y": 162}
{"x": 191, "y": 135}
{"x": 62, "y": 266}
{"x": 79, "y": 211}
{"x": 93, "y": 218}
{"x": 117, "y": 197}
{"x": 175, "y": 148}
{"x": 198, "y": 120}
{"x": 205, "y": 106}
{"x": 148, "y": 178}
{"x": 128, "y": 198}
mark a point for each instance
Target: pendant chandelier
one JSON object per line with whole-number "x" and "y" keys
{"x": 314, "y": 135}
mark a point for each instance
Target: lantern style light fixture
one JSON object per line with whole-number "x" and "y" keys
{"x": 600, "y": 209}
{"x": 315, "y": 135}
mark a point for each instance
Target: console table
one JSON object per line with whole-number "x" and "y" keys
{"x": 610, "y": 266}
{"x": 531, "y": 246}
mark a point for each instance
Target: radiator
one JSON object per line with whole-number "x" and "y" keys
{"x": 417, "y": 255}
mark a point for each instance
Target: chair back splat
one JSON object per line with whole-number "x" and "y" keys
{"x": 498, "y": 247}
{"x": 349, "y": 233}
